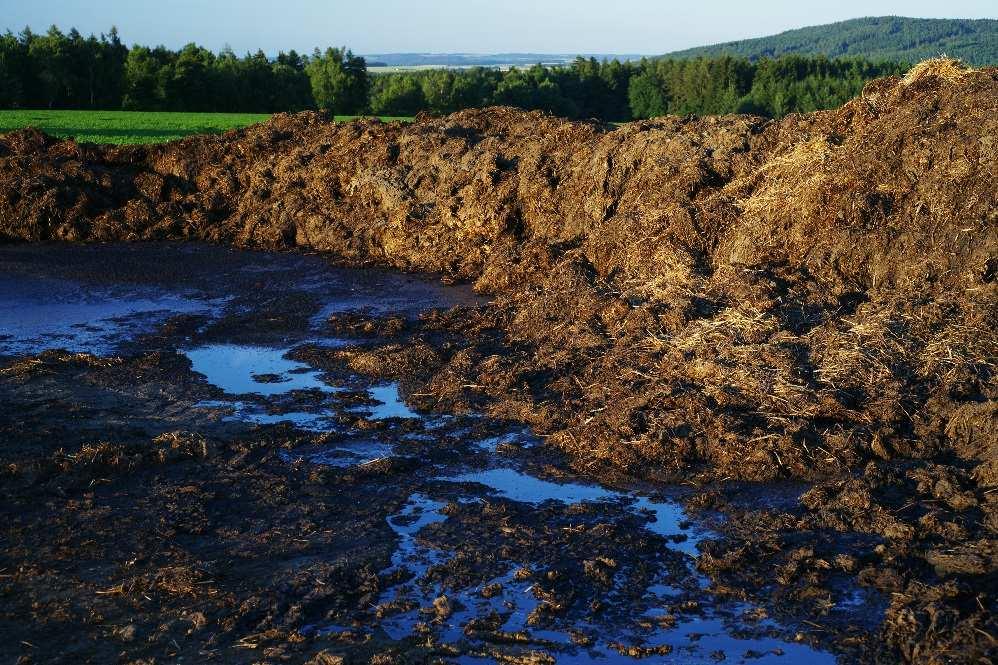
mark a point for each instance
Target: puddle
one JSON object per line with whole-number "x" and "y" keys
{"x": 419, "y": 511}
{"x": 517, "y": 486}
{"x": 240, "y": 370}
{"x": 345, "y": 454}
{"x": 698, "y": 639}
{"x": 390, "y": 403}
{"x": 491, "y": 444}
{"x": 255, "y": 414}
{"x": 41, "y": 314}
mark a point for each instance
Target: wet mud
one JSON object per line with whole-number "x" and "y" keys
{"x": 202, "y": 489}
{"x": 789, "y": 324}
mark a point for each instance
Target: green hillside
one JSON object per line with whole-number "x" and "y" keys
{"x": 878, "y": 38}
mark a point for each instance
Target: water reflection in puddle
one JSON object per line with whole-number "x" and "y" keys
{"x": 267, "y": 372}
{"x": 259, "y": 370}
{"x": 248, "y": 412}
{"x": 491, "y": 444}
{"x": 344, "y": 454}
{"x": 667, "y": 518}
{"x": 517, "y": 486}
{"x": 239, "y": 370}
{"x": 47, "y": 314}
{"x": 704, "y": 639}
{"x": 390, "y": 404}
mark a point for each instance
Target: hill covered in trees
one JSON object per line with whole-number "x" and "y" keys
{"x": 878, "y": 38}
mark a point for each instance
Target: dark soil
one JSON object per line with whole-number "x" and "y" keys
{"x": 698, "y": 300}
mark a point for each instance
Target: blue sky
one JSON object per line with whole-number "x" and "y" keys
{"x": 476, "y": 26}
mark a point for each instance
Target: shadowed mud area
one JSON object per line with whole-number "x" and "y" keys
{"x": 808, "y": 305}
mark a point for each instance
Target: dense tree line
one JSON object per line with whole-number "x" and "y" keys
{"x": 774, "y": 88}
{"x": 69, "y": 71}
{"x": 586, "y": 89}
{"x": 611, "y": 90}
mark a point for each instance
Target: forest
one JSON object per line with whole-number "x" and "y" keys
{"x": 58, "y": 70}
{"x": 615, "y": 91}
{"x": 897, "y": 38}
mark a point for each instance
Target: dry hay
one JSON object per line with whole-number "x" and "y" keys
{"x": 950, "y": 70}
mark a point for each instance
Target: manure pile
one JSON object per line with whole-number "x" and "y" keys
{"x": 695, "y": 299}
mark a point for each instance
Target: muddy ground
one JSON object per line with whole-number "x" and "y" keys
{"x": 694, "y": 301}
{"x": 151, "y": 516}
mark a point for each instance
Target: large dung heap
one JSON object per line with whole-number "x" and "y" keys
{"x": 684, "y": 298}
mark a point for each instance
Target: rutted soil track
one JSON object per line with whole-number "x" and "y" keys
{"x": 695, "y": 299}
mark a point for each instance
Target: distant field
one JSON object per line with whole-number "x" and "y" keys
{"x": 131, "y": 126}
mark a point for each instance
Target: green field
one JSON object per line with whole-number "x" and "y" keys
{"x": 131, "y": 126}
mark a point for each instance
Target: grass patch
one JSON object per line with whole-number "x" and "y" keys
{"x": 123, "y": 127}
